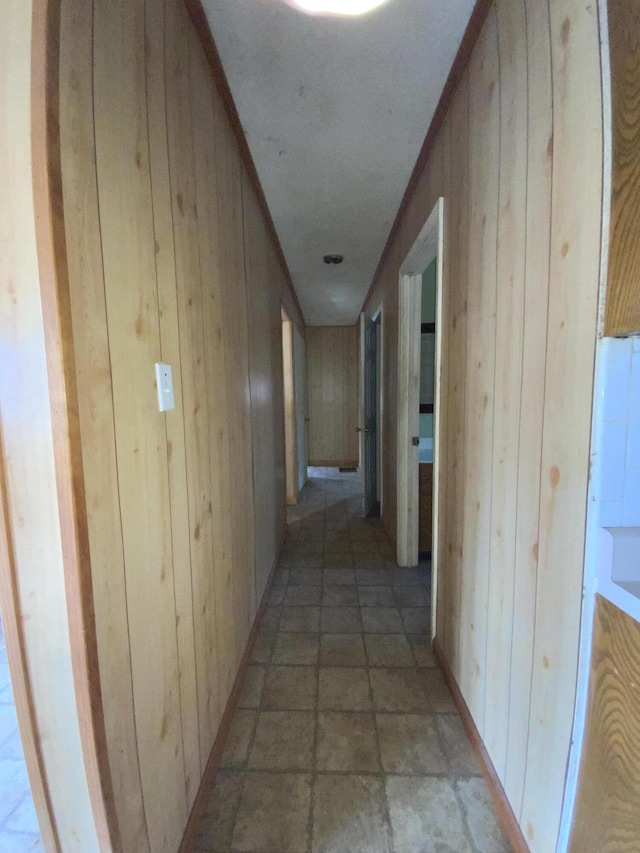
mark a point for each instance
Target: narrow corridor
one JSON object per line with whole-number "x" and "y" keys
{"x": 346, "y": 738}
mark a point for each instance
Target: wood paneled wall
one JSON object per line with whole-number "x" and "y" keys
{"x": 170, "y": 259}
{"x": 607, "y": 812}
{"x": 41, "y": 632}
{"x": 622, "y": 314}
{"x": 518, "y": 159}
{"x": 332, "y": 380}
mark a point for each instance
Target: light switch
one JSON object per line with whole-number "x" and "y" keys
{"x": 164, "y": 381}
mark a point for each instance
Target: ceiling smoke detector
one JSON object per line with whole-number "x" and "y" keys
{"x": 333, "y": 259}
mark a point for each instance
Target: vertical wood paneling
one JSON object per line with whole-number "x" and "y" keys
{"x": 128, "y": 246}
{"x": 508, "y": 370}
{"x": 573, "y": 295}
{"x": 520, "y": 319}
{"x": 454, "y": 464}
{"x": 538, "y": 228}
{"x": 622, "y": 314}
{"x": 234, "y": 313}
{"x": 607, "y": 815}
{"x": 206, "y": 121}
{"x": 332, "y": 370}
{"x": 170, "y": 259}
{"x": 88, "y": 307}
{"x": 34, "y": 580}
{"x": 171, "y": 352}
{"x": 484, "y": 131}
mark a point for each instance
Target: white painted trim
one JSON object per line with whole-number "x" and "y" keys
{"x": 426, "y": 247}
{"x": 379, "y": 312}
{"x": 437, "y": 421}
{"x": 590, "y": 577}
{"x": 363, "y": 319}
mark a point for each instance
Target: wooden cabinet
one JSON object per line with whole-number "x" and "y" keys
{"x": 622, "y": 314}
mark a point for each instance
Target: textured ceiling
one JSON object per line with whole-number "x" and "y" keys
{"x": 335, "y": 111}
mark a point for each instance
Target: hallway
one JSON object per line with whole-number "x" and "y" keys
{"x": 346, "y": 738}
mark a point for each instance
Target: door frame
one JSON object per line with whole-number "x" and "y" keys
{"x": 378, "y": 315}
{"x": 289, "y": 404}
{"x": 428, "y": 245}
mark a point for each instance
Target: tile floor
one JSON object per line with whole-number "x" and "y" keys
{"x": 346, "y": 739}
{"x": 19, "y": 831}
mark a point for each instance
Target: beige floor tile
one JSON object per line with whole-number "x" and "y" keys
{"x": 299, "y": 649}
{"x": 283, "y": 741}
{"x": 342, "y": 650}
{"x": 303, "y": 619}
{"x": 214, "y": 835}
{"x": 340, "y": 620}
{"x": 439, "y": 694}
{"x": 405, "y": 577}
{"x": 388, "y": 650}
{"x": 458, "y": 750}
{"x": 302, "y": 596}
{"x": 349, "y": 815}
{"x": 281, "y": 577}
{"x": 276, "y": 595}
{"x": 338, "y": 561}
{"x": 409, "y": 744}
{"x": 344, "y": 689}
{"x": 481, "y": 817}
{"x": 263, "y": 646}
{"x": 381, "y": 620}
{"x": 412, "y": 596}
{"x": 305, "y": 577}
{"x": 421, "y": 647}
{"x": 290, "y": 688}
{"x": 340, "y": 596}
{"x": 376, "y": 596}
{"x": 399, "y": 690}
{"x": 270, "y": 619}
{"x": 339, "y": 577}
{"x": 416, "y": 619}
{"x": 425, "y": 816}
{"x": 346, "y": 742}
{"x": 372, "y": 577}
{"x": 273, "y": 813}
{"x": 252, "y": 686}
{"x": 239, "y": 738}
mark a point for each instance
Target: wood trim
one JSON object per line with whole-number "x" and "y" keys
{"x": 469, "y": 39}
{"x": 622, "y": 306}
{"x": 207, "y": 783}
{"x": 58, "y": 332}
{"x": 22, "y": 695}
{"x": 506, "y": 817}
{"x": 201, "y": 24}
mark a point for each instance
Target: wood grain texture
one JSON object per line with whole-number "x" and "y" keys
{"x": 622, "y": 311}
{"x": 332, "y": 371}
{"x": 425, "y": 532}
{"x": 34, "y": 582}
{"x": 170, "y": 258}
{"x": 524, "y": 216}
{"x": 607, "y": 812}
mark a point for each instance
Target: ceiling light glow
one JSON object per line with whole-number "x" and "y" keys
{"x": 338, "y": 7}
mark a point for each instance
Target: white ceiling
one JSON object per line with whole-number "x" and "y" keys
{"x": 335, "y": 111}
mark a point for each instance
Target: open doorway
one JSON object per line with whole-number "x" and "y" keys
{"x": 422, "y": 268}
{"x": 290, "y": 436}
{"x": 371, "y": 409}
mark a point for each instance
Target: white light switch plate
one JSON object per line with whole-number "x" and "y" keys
{"x": 164, "y": 381}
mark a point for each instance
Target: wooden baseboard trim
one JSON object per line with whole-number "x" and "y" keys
{"x": 506, "y": 817}
{"x": 209, "y": 776}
